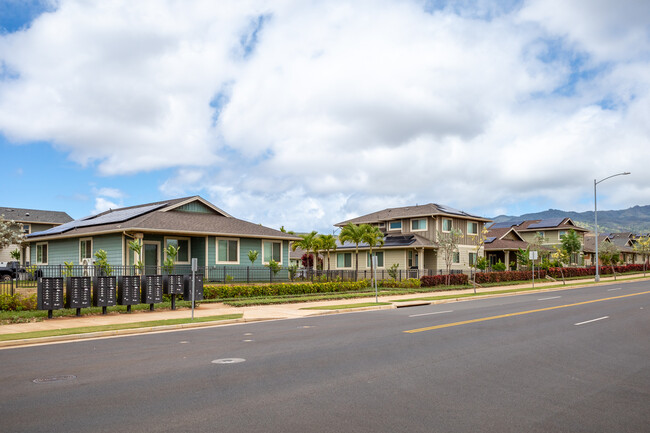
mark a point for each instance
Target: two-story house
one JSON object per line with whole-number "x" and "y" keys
{"x": 410, "y": 239}
{"x": 30, "y": 221}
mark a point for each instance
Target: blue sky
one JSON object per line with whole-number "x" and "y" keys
{"x": 306, "y": 114}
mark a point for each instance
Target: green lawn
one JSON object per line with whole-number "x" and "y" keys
{"x": 116, "y": 327}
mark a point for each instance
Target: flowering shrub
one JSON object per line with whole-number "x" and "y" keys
{"x": 17, "y": 302}
{"x": 498, "y": 277}
{"x": 586, "y": 272}
{"x": 439, "y": 280}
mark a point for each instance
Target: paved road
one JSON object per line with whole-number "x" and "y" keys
{"x": 575, "y": 360}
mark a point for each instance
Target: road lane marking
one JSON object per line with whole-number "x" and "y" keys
{"x": 592, "y": 320}
{"x": 428, "y": 314}
{"x": 546, "y": 299}
{"x": 520, "y": 313}
{"x": 611, "y": 290}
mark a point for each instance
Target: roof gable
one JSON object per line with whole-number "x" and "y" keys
{"x": 196, "y": 204}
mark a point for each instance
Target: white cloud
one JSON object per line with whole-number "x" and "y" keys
{"x": 328, "y": 110}
{"x": 102, "y": 205}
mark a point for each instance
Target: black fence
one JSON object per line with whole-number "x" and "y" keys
{"x": 28, "y": 277}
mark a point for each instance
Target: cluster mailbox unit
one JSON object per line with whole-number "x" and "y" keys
{"x": 107, "y": 291}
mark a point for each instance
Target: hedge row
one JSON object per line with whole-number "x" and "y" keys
{"x": 439, "y": 280}
{"x": 410, "y": 283}
{"x": 498, "y": 277}
{"x": 281, "y": 289}
{"x": 586, "y": 272}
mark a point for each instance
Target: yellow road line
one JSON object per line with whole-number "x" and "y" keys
{"x": 484, "y": 319}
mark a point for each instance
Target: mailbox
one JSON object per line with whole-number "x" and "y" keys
{"x": 152, "y": 289}
{"x": 173, "y": 284}
{"x": 104, "y": 291}
{"x": 198, "y": 288}
{"x": 77, "y": 292}
{"x": 49, "y": 293}
{"x": 128, "y": 290}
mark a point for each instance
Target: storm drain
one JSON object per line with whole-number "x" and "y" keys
{"x": 228, "y": 361}
{"x": 54, "y": 379}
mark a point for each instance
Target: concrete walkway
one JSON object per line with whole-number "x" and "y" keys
{"x": 250, "y": 314}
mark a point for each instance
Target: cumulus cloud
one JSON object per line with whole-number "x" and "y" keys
{"x": 304, "y": 114}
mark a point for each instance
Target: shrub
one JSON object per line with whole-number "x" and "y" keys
{"x": 439, "y": 280}
{"x": 393, "y": 284}
{"x": 587, "y": 272}
{"x": 281, "y": 289}
{"x": 499, "y": 266}
{"x": 17, "y": 302}
{"x": 498, "y": 277}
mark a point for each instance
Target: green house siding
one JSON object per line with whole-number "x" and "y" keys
{"x": 112, "y": 244}
{"x": 198, "y": 250}
{"x": 58, "y": 251}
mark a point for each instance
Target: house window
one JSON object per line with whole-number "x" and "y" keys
{"x": 26, "y": 229}
{"x": 395, "y": 225}
{"x": 86, "y": 250}
{"x": 561, "y": 234}
{"x": 456, "y": 257}
{"x": 446, "y": 225}
{"x": 271, "y": 251}
{"x": 410, "y": 259}
{"x": 380, "y": 258}
{"x": 381, "y": 225}
{"x": 344, "y": 260}
{"x": 228, "y": 251}
{"x": 540, "y": 234}
{"x": 183, "y": 245}
{"x": 419, "y": 224}
{"x": 41, "y": 254}
{"x": 472, "y": 228}
{"x": 472, "y": 259}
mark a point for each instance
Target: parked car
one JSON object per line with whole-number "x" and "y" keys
{"x": 10, "y": 270}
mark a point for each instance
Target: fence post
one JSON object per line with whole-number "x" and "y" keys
{"x": 271, "y": 275}
{"x": 248, "y": 272}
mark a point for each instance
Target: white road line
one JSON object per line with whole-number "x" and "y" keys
{"x": 592, "y": 320}
{"x": 546, "y": 299}
{"x": 428, "y": 314}
{"x": 611, "y": 290}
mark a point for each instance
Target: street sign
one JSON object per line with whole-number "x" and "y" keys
{"x": 532, "y": 255}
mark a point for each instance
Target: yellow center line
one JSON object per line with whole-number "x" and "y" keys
{"x": 519, "y": 313}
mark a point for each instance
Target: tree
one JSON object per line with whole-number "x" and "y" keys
{"x": 327, "y": 244}
{"x": 306, "y": 243}
{"x": 571, "y": 244}
{"x": 136, "y": 247}
{"x": 523, "y": 257}
{"x": 542, "y": 253}
{"x": 252, "y": 256}
{"x": 354, "y": 234}
{"x": 479, "y": 241}
{"x": 10, "y": 233}
{"x": 373, "y": 237}
{"x": 561, "y": 257}
{"x": 642, "y": 246}
{"x": 608, "y": 254}
{"x": 448, "y": 245}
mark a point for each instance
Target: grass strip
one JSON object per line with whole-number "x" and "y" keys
{"x": 115, "y": 327}
{"x": 346, "y": 306}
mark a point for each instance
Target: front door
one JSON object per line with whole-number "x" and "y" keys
{"x": 151, "y": 257}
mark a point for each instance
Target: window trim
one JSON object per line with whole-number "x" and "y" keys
{"x": 453, "y": 258}
{"x": 47, "y": 251}
{"x": 29, "y": 228}
{"x": 383, "y": 265}
{"x": 469, "y": 258}
{"x": 81, "y": 259}
{"x": 189, "y": 249}
{"x": 343, "y": 267}
{"x": 390, "y": 225}
{"x": 426, "y": 224}
{"x": 216, "y": 251}
{"x": 559, "y": 234}
{"x": 469, "y": 223}
{"x": 442, "y": 225}
{"x": 281, "y": 250}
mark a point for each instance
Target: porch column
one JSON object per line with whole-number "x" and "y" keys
{"x": 421, "y": 262}
{"x": 507, "y": 259}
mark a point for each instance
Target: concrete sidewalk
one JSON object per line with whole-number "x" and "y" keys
{"x": 250, "y": 314}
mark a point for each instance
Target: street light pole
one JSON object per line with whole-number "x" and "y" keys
{"x": 597, "y": 279}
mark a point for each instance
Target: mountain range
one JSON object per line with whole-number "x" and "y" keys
{"x": 635, "y": 219}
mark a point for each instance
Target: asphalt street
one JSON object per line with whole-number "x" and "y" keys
{"x": 575, "y": 361}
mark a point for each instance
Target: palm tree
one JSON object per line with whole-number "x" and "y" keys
{"x": 327, "y": 244}
{"x": 373, "y": 237}
{"x": 354, "y": 234}
{"x": 306, "y": 243}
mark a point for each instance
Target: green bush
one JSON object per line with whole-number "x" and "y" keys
{"x": 17, "y": 302}
{"x": 281, "y": 289}
{"x": 411, "y": 283}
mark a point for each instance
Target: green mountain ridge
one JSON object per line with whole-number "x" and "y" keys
{"x": 635, "y": 219}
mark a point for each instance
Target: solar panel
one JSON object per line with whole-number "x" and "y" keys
{"x": 116, "y": 216}
{"x": 450, "y": 210}
{"x": 551, "y": 222}
{"x": 489, "y": 240}
{"x": 506, "y": 224}
{"x": 394, "y": 241}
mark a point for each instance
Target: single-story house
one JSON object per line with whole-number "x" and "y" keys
{"x": 197, "y": 227}
{"x": 501, "y": 244}
{"x": 30, "y": 221}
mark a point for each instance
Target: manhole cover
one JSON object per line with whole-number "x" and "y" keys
{"x": 54, "y": 379}
{"x": 228, "y": 361}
